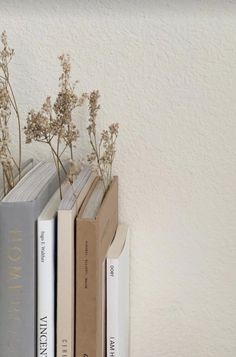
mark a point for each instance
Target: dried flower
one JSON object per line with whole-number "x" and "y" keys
{"x": 54, "y": 125}
{"x": 73, "y": 171}
{"x": 103, "y": 151}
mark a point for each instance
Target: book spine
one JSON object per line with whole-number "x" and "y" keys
{"x": 93, "y": 238}
{"x": 112, "y": 337}
{"x": 46, "y": 288}
{"x": 86, "y": 289}
{"x": 18, "y": 280}
{"x": 65, "y": 284}
{"x": 123, "y": 299}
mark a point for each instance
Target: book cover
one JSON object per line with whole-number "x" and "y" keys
{"x": 117, "y": 294}
{"x": 93, "y": 238}
{"x": 46, "y": 287}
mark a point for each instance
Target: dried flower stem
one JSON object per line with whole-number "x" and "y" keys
{"x": 15, "y": 107}
{"x": 7, "y": 104}
{"x": 4, "y": 183}
{"x": 12, "y": 99}
{"x": 58, "y": 162}
{"x": 54, "y": 153}
{"x": 97, "y": 154}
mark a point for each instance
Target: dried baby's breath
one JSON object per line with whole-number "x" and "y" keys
{"x": 73, "y": 171}
{"x": 53, "y": 124}
{"x": 103, "y": 150}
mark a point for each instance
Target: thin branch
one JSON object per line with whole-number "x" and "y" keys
{"x": 8, "y": 149}
{"x": 19, "y": 127}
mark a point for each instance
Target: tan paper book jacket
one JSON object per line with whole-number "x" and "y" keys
{"x": 93, "y": 238}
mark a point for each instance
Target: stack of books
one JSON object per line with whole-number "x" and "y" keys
{"x": 64, "y": 268}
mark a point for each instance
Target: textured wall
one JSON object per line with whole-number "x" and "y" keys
{"x": 167, "y": 72}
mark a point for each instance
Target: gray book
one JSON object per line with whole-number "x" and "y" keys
{"x": 19, "y": 211}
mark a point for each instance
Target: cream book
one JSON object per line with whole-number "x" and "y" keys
{"x": 67, "y": 212}
{"x": 117, "y": 294}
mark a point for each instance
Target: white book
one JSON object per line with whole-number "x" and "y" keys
{"x": 46, "y": 277}
{"x": 118, "y": 294}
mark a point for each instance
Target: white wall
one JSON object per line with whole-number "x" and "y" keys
{"x": 167, "y": 72}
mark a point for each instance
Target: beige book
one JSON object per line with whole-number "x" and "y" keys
{"x": 67, "y": 212}
{"x": 93, "y": 238}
